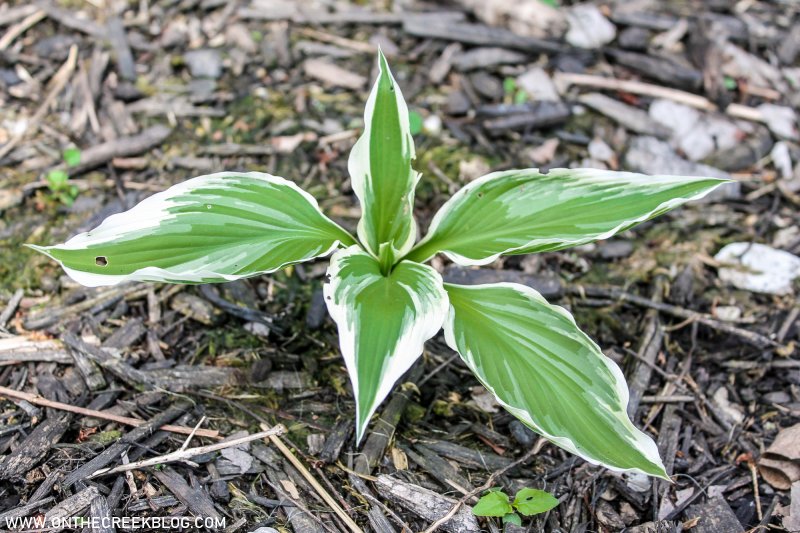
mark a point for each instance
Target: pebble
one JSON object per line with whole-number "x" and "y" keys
{"x": 761, "y": 268}
{"x": 204, "y": 63}
{"x": 538, "y": 84}
{"x": 522, "y": 433}
{"x": 588, "y": 27}
{"x": 487, "y": 85}
{"x": 634, "y": 38}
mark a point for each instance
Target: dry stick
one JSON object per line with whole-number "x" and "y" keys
{"x": 57, "y": 83}
{"x": 44, "y": 402}
{"x": 565, "y": 79}
{"x": 186, "y": 453}
{"x": 20, "y": 28}
{"x": 489, "y": 482}
{"x": 274, "y": 439}
{"x": 751, "y": 338}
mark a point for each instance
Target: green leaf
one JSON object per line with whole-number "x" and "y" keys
{"x": 512, "y": 518}
{"x": 56, "y": 179}
{"x": 494, "y": 503}
{"x": 525, "y": 211}
{"x": 383, "y": 321}
{"x": 380, "y": 169}
{"x": 549, "y": 374}
{"x": 533, "y": 501}
{"x": 212, "y": 228}
{"x": 72, "y": 157}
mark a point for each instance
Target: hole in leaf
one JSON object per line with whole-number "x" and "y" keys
{"x": 101, "y": 260}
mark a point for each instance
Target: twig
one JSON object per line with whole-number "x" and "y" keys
{"x": 13, "y": 303}
{"x": 20, "y": 28}
{"x": 128, "y": 421}
{"x": 751, "y": 338}
{"x": 564, "y": 79}
{"x": 57, "y": 83}
{"x": 275, "y": 439}
{"x": 196, "y": 427}
{"x": 186, "y": 453}
{"x": 489, "y": 482}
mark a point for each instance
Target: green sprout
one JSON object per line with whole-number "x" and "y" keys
{"x": 527, "y": 502}
{"x": 58, "y": 179}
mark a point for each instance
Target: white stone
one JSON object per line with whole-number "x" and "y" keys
{"x": 758, "y": 268}
{"x": 588, "y": 27}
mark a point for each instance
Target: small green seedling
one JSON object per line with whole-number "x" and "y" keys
{"x": 385, "y": 300}
{"x": 527, "y": 502}
{"x": 58, "y": 180}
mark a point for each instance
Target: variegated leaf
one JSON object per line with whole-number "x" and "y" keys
{"x": 219, "y": 227}
{"x": 383, "y": 321}
{"x": 380, "y": 169}
{"x": 526, "y": 211}
{"x": 545, "y": 371}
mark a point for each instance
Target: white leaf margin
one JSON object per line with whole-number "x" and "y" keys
{"x": 586, "y": 173}
{"x": 358, "y": 163}
{"x": 150, "y": 213}
{"x": 410, "y": 343}
{"x": 643, "y": 442}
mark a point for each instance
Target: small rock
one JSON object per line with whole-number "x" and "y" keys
{"x": 458, "y": 103}
{"x": 653, "y": 156}
{"x": 432, "y": 125}
{"x": 781, "y": 120}
{"x": 258, "y": 329}
{"x": 204, "y": 63}
{"x": 588, "y": 27}
{"x": 634, "y": 38}
{"x": 758, "y": 268}
{"x": 628, "y": 116}
{"x": 731, "y": 411}
{"x": 616, "y": 249}
{"x": 538, "y": 85}
{"x": 599, "y": 150}
{"x": 727, "y": 313}
{"x": 487, "y": 85}
{"x": 777, "y": 397}
{"x": 697, "y": 134}
{"x": 521, "y": 433}
{"x": 782, "y": 159}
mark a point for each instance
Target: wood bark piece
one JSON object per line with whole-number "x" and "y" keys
{"x": 715, "y": 516}
{"x": 663, "y": 70}
{"x": 35, "y": 446}
{"x": 123, "y": 147}
{"x": 115, "y": 450}
{"x": 197, "y": 500}
{"x": 12, "y": 305}
{"x": 652, "y": 338}
{"x": 24, "y": 350}
{"x": 70, "y": 507}
{"x": 427, "y": 504}
{"x": 101, "y": 513}
{"x": 478, "y": 34}
{"x": 383, "y": 428}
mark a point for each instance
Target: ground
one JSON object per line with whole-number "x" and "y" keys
{"x": 152, "y": 93}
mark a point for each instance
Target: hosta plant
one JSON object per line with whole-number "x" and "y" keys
{"x": 385, "y": 300}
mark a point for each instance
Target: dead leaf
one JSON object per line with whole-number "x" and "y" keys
{"x": 780, "y": 464}
{"x": 290, "y": 487}
{"x": 399, "y": 459}
{"x": 484, "y": 400}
